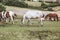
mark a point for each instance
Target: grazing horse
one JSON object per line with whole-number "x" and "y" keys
{"x": 52, "y": 16}
{"x": 33, "y": 14}
{"x": 8, "y": 14}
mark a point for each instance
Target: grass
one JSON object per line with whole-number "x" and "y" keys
{"x": 37, "y": 4}
{"x": 48, "y": 25}
{"x": 17, "y": 32}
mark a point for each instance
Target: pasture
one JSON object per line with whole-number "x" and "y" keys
{"x": 30, "y": 32}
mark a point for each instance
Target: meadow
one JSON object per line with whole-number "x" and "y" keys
{"x": 51, "y": 29}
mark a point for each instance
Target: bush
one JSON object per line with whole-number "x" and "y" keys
{"x": 2, "y": 8}
{"x": 50, "y": 5}
{"x": 43, "y": 5}
{"x": 50, "y": 9}
{"x": 0, "y": 0}
{"x": 16, "y": 3}
{"x": 53, "y": 4}
{"x": 49, "y": 2}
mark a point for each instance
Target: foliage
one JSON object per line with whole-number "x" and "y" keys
{"x": 2, "y": 8}
{"x": 0, "y": 0}
{"x": 16, "y": 3}
{"x": 50, "y": 9}
{"x": 43, "y": 5}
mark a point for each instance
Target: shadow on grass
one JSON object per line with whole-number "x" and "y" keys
{"x": 33, "y": 25}
{"x": 2, "y": 25}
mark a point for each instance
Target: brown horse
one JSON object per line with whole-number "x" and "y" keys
{"x": 51, "y": 16}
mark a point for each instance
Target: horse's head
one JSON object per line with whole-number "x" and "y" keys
{"x": 46, "y": 16}
{"x": 7, "y": 14}
{"x": 15, "y": 15}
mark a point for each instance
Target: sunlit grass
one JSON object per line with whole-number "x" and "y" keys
{"x": 20, "y": 32}
{"x": 48, "y": 25}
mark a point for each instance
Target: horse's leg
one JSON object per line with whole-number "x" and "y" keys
{"x": 22, "y": 20}
{"x": 0, "y": 19}
{"x": 54, "y": 18}
{"x": 29, "y": 21}
{"x": 49, "y": 18}
{"x": 12, "y": 19}
{"x": 9, "y": 19}
{"x": 6, "y": 19}
{"x": 41, "y": 21}
{"x": 57, "y": 18}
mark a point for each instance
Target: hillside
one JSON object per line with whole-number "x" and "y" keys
{"x": 18, "y": 11}
{"x": 21, "y": 11}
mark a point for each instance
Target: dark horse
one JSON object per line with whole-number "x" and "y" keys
{"x": 51, "y": 16}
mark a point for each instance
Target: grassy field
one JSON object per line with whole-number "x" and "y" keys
{"x": 48, "y": 25}
{"x": 37, "y": 4}
{"x": 17, "y": 32}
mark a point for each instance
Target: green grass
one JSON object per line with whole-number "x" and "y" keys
{"x": 48, "y": 25}
{"x": 17, "y": 32}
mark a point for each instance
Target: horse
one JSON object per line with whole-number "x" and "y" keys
{"x": 33, "y": 14}
{"x": 8, "y": 14}
{"x": 52, "y": 16}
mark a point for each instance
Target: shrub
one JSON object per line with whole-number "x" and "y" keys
{"x": 43, "y": 5}
{"x": 50, "y": 5}
{"x": 2, "y": 8}
{"x": 50, "y": 9}
{"x": 16, "y": 3}
{"x": 53, "y": 4}
{"x": 0, "y": 0}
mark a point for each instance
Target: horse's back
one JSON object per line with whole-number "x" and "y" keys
{"x": 11, "y": 13}
{"x": 52, "y": 14}
{"x": 33, "y": 13}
